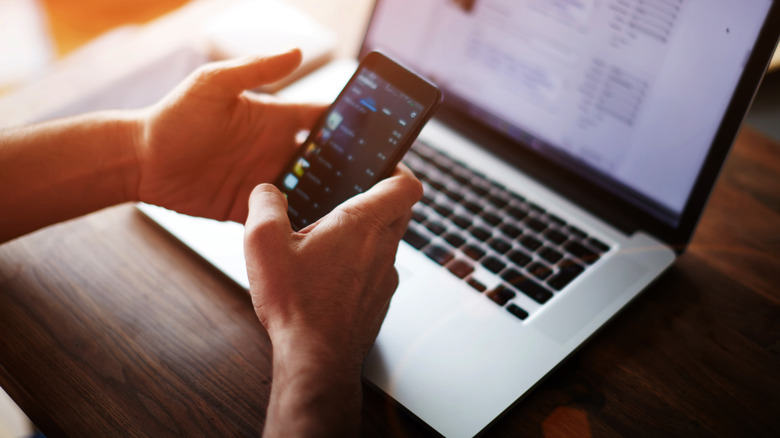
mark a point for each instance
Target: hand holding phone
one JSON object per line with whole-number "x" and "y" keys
{"x": 359, "y": 140}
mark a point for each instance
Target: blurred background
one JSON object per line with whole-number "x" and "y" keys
{"x": 36, "y": 36}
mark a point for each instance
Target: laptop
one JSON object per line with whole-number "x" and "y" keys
{"x": 573, "y": 156}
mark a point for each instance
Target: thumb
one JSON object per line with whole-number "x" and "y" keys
{"x": 267, "y": 225}
{"x": 236, "y": 75}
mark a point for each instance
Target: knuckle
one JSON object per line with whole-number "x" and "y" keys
{"x": 394, "y": 280}
{"x": 257, "y": 229}
{"x": 206, "y": 73}
{"x": 415, "y": 188}
{"x": 409, "y": 186}
{"x": 368, "y": 222}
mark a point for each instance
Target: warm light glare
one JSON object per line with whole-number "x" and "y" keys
{"x": 75, "y": 22}
{"x": 566, "y": 422}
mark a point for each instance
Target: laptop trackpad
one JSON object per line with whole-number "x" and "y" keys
{"x": 588, "y": 298}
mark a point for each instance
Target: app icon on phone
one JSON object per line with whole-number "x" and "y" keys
{"x": 311, "y": 150}
{"x": 290, "y": 181}
{"x": 301, "y": 167}
{"x": 334, "y": 120}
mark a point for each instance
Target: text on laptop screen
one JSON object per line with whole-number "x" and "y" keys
{"x": 626, "y": 91}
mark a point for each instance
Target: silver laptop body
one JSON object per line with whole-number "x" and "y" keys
{"x": 610, "y": 119}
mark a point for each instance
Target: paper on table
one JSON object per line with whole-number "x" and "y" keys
{"x": 264, "y": 27}
{"x": 25, "y": 48}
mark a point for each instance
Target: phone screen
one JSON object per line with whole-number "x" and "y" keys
{"x": 358, "y": 141}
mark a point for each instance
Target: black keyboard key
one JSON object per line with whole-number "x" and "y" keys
{"x": 421, "y": 169}
{"x": 426, "y": 199}
{"x": 568, "y": 271}
{"x": 461, "y": 179}
{"x": 498, "y": 201}
{"x": 517, "y": 198}
{"x": 477, "y": 176}
{"x": 435, "y": 227}
{"x": 490, "y": 218}
{"x": 530, "y": 242}
{"x": 460, "y": 268}
{"x": 518, "y": 213}
{"x": 442, "y": 209}
{"x": 493, "y": 264}
{"x": 443, "y": 165}
{"x": 418, "y": 216}
{"x": 582, "y": 252}
{"x": 527, "y": 286}
{"x": 536, "y": 208}
{"x": 519, "y": 257}
{"x": 473, "y": 282}
{"x": 472, "y": 207}
{"x": 455, "y": 196}
{"x": 510, "y": 230}
{"x": 474, "y": 252}
{"x": 417, "y": 240}
{"x": 501, "y": 295}
{"x": 461, "y": 221}
{"x": 574, "y": 231}
{"x": 555, "y": 236}
{"x": 479, "y": 190}
{"x": 439, "y": 254}
{"x": 480, "y": 233}
{"x": 539, "y": 270}
{"x": 514, "y": 309}
{"x": 454, "y": 239}
{"x": 535, "y": 224}
{"x": 501, "y": 246}
{"x": 551, "y": 255}
{"x": 438, "y": 185}
{"x": 555, "y": 219}
{"x": 597, "y": 244}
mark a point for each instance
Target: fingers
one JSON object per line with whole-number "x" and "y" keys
{"x": 295, "y": 115}
{"x": 231, "y": 77}
{"x": 308, "y": 114}
{"x": 389, "y": 201}
{"x": 267, "y": 223}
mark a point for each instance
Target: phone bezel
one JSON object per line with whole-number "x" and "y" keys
{"x": 399, "y": 76}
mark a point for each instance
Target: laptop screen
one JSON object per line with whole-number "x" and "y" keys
{"x": 627, "y": 93}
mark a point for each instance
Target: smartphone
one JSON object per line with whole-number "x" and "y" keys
{"x": 359, "y": 140}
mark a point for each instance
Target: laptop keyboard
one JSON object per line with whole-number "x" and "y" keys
{"x": 497, "y": 241}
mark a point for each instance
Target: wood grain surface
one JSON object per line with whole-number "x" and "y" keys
{"x": 110, "y": 327}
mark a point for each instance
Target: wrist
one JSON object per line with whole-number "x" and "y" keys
{"x": 130, "y": 126}
{"x": 311, "y": 384}
{"x": 306, "y": 353}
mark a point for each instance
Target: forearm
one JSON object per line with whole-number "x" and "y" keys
{"x": 312, "y": 395}
{"x": 66, "y": 168}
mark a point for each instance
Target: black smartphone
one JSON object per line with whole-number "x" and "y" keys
{"x": 359, "y": 140}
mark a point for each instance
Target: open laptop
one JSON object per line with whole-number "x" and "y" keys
{"x": 576, "y": 148}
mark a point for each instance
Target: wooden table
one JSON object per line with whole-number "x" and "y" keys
{"x": 108, "y": 326}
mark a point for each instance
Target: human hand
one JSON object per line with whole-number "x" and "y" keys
{"x": 322, "y": 294}
{"x": 331, "y": 282}
{"x": 206, "y": 145}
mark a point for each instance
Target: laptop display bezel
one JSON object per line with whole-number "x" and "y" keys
{"x": 614, "y": 209}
